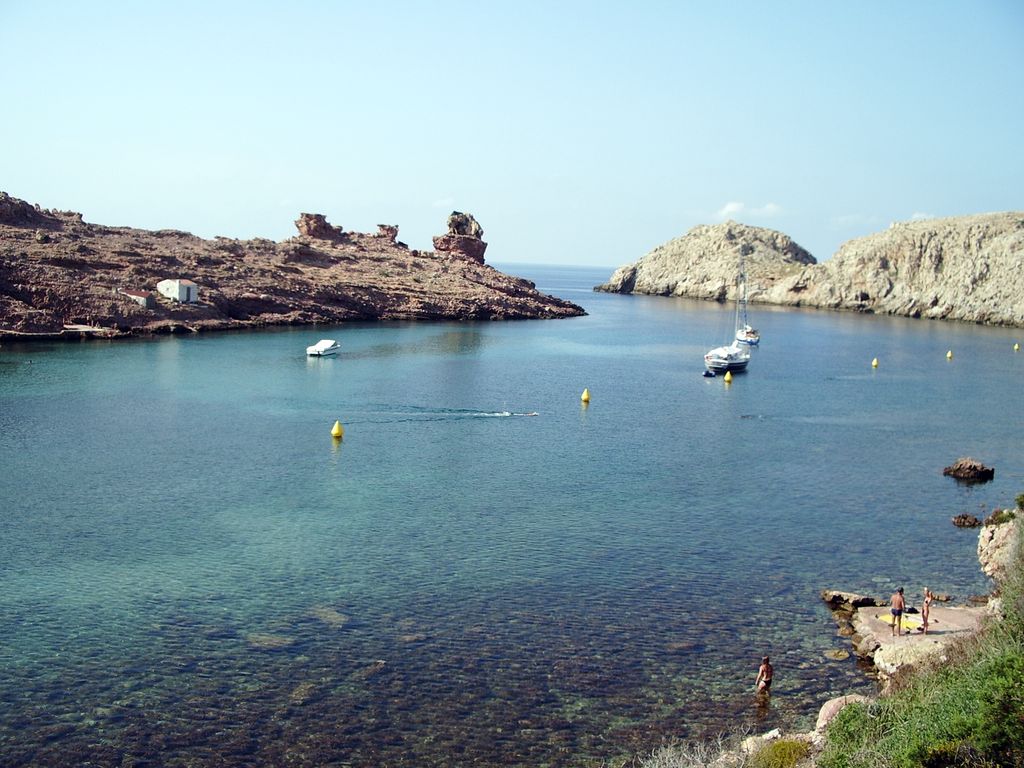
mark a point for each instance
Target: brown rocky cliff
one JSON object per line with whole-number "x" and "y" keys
{"x": 56, "y": 269}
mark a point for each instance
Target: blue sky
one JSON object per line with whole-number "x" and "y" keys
{"x": 576, "y": 133}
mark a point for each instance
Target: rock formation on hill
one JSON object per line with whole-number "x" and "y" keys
{"x": 57, "y": 270}
{"x": 465, "y": 236}
{"x": 967, "y": 268}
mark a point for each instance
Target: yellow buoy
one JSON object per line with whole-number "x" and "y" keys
{"x": 728, "y": 376}
{"x": 874, "y": 363}
{"x": 585, "y": 397}
{"x": 1016, "y": 347}
{"x": 337, "y": 430}
{"x": 949, "y": 355}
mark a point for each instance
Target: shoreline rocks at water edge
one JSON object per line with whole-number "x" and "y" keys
{"x": 857, "y": 618}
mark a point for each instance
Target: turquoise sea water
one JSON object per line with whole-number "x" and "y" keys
{"x": 193, "y": 572}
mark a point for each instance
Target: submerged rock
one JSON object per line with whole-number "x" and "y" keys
{"x": 966, "y": 521}
{"x": 302, "y": 693}
{"x": 267, "y": 641}
{"x": 413, "y": 637}
{"x": 837, "y": 654}
{"x": 330, "y": 616}
{"x": 370, "y": 670}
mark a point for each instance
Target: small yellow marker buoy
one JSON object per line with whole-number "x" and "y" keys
{"x": 874, "y": 363}
{"x": 949, "y": 355}
{"x": 337, "y": 430}
{"x": 728, "y": 377}
{"x": 585, "y": 397}
{"x": 1016, "y": 346}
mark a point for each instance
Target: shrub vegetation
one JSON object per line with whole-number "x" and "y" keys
{"x": 781, "y": 753}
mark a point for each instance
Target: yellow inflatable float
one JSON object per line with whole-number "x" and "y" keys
{"x": 910, "y": 622}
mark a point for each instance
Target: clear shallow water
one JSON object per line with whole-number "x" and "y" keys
{"x": 192, "y": 572}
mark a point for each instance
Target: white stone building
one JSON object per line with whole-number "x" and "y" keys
{"x": 184, "y": 291}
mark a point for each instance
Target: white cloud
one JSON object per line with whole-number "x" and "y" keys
{"x": 733, "y": 209}
{"x": 767, "y": 211}
{"x": 730, "y": 209}
{"x": 918, "y": 216}
{"x": 444, "y": 202}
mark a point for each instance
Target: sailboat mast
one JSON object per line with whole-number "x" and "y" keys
{"x": 741, "y": 294}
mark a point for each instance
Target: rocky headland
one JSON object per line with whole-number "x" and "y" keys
{"x": 61, "y": 276}
{"x": 968, "y": 268}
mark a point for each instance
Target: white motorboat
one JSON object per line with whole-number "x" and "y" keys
{"x": 323, "y": 348}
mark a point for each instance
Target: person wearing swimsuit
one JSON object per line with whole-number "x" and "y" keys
{"x": 898, "y": 606}
{"x": 926, "y": 608}
{"x": 764, "y": 677}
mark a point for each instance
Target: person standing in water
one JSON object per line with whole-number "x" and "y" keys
{"x": 764, "y": 677}
{"x": 898, "y": 606}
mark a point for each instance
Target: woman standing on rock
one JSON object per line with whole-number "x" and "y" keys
{"x": 926, "y": 608}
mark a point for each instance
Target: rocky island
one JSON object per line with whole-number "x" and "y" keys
{"x": 63, "y": 277}
{"x": 968, "y": 268}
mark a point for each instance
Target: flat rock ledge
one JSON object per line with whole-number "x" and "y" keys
{"x": 873, "y": 638}
{"x": 865, "y": 620}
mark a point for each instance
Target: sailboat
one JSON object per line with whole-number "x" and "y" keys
{"x": 745, "y": 334}
{"x": 733, "y": 356}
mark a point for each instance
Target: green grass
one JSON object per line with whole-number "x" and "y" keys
{"x": 966, "y": 710}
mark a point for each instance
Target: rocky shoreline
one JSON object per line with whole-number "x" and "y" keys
{"x": 61, "y": 277}
{"x": 965, "y": 268}
{"x": 861, "y": 619}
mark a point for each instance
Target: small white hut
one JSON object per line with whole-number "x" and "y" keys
{"x": 184, "y": 291}
{"x": 142, "y": 298}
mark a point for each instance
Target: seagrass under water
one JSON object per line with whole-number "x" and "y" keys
{"x": 192, "y": 572}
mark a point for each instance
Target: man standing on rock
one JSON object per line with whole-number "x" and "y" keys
{"x": 898, "y": 606}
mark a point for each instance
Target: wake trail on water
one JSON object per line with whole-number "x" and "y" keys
{"x": 415, "y": 413}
